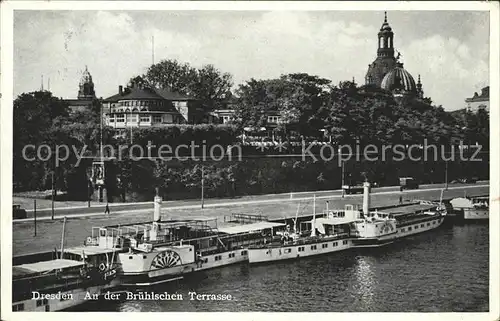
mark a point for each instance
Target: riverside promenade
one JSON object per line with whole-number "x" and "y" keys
{"x": 81, "y": 220}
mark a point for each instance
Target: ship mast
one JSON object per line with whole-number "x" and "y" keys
{"x": 313, "y": 228}
{"x": 62, "y": 237}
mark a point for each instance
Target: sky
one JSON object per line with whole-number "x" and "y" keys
{"x": 449, "y": 49}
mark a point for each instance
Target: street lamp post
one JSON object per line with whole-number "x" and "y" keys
{"x": 446, "y": 175}
{"x": 53, "y": 193}
{"x": 202, "y": 186}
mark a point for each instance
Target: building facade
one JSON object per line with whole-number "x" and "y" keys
{"x": 478, "y": 102}
{"x": 145, "y": 107}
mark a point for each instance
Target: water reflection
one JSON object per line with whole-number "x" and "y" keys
{"x": 365, "y": 282}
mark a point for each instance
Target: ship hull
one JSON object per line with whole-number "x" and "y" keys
{"x": 472, "y": 214}
{"x": 222, "y": 259}
{"x": 287, "y": 252}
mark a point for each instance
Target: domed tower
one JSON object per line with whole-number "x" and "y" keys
{"x": 385, "y": 60}
{"x": 86, "y": 90}
{"x": 400, "y": 83}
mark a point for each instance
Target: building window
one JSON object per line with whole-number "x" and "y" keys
{"x": 145, "y": 118}
{"x": 273, "y": 119}
{"x": 156, "y": 119}
{"x": 18, "y": 307}
{"x": 112, "y": 118}
{"x": 120, "y": 118}
{"x": 132, "y": 118}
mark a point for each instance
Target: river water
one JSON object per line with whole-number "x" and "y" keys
{"x": 438, "y": 271}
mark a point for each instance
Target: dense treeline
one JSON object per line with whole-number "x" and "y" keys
{"x": 313, "y": 109}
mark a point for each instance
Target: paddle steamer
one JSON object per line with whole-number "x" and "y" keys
{"x": 160, "y": 251}
{"x": 342, "y": 229}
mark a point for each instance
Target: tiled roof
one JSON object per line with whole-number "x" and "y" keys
{"x": 146, "y": 93}
{"x": 113, "y": 98}
{"x": 138, "y": 94}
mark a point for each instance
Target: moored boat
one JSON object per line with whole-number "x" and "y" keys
{"x": 342, "y": 229}
{"x": 55, "y": 285}
{"x": 472, "y": 208}
{"x": 160, "y": 251}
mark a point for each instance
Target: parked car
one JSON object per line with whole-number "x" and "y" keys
{"x": 465, "y": 180}
{"x": 354, "y": 189}
{"x": 407, "y": 183}
{"x": 18, "y": 212}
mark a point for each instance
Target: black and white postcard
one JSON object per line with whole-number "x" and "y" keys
{"x": 250, "y": 157}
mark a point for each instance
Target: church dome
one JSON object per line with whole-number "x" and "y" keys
{"x": 86, "y": 77}
{"x": 398, "y": 79}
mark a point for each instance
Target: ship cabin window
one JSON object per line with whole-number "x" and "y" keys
{"x": 409, "y": 228}
{"x": 18, "y": 307}
{"x": 231, "y": 255}
{"x": 313, "y": 247}
{"x": 334, "y": 244}
{"x": 301, "y": 249}
{"x": 130, "y": 257}
{"x": 39, "y": 303}
{"x": 205, "y": 260}
{"x": 415, "y": 227}
{"x": 422, "y": 225}
{"x": 102, "y": 233}
{"x": 428, "y": 224}
{"x": 144, "y": 257}
{"x": 433, "y": 222}
{"x": 244, "y": 252}
{"x": 288, "y": 250}
{"x": 190, "y": 250}
{"x": 344, "y": 242}
{"x": 324, "y": 246}
{"x": 402, "y": 230}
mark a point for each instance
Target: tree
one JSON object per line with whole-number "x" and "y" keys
{"x": 298, "y": 98}
{"x": 33, "y": 117}
{"x": 208, "y": 84}
{"x": 211, "y": 86}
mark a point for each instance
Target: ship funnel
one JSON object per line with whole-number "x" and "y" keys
{"x": 157, "y": 212}
{"x": 366, "y": 198}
